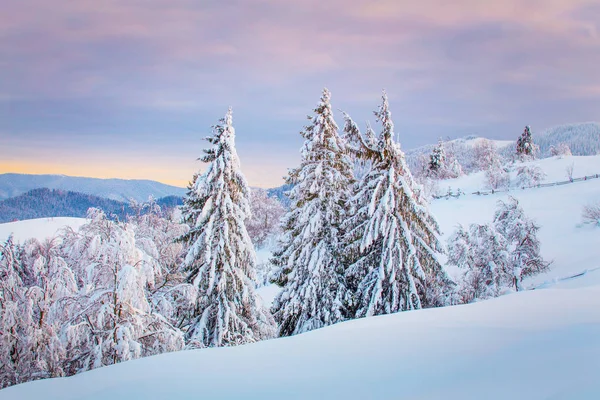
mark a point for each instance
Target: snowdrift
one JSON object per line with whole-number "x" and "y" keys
{"x": 541, "y": 344}
{"x": 40, "y": 228}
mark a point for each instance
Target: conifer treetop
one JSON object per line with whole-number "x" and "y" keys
{"x": 221, "y": 259}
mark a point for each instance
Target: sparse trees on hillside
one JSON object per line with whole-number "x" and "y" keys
{"x": 485, "y": 154}
{"x": 496, "y": 256}
{"x": 309, "y": 261}
{"x": 221, "y": 258}
{"x": 391, "y": 238}
{"x": 497, "y": 176}
{"x": 488, "y": 160}
{"x": 443, "y": 163}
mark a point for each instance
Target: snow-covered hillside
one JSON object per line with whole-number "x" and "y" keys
{"x": 582, "y": 138}
{"x": 12, "y": 185}
{"x": 536, "y": 344}
{"x": 542, "y": 344}
{"x": 39, "y": 229}
{"x": 555, "y": 169}
{"x": 462, "y": 149}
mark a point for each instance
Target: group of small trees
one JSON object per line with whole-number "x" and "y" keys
{"x": 496, "y": 256}
{"x": 107, "y": 293}
{"x": 443, "y": 163}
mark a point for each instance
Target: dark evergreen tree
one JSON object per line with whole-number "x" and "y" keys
{"x": 437, "y": 159}
{"x": 525, "y": 146}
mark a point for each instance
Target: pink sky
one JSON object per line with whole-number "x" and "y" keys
{"x": 127, "y": 88}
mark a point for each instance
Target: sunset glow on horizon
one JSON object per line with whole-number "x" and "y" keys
{"x": 128, "y": 88}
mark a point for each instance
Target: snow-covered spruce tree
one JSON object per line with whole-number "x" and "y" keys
{"x": 437, "y": 160}
{"x": 525, "y": 147}
{"x": 520, "y": 233}
{"x": 309, "y": 260}
{"x": 480, "y": 252}
{"x": 221, "y": 259}
{"x": 392, "y": 241}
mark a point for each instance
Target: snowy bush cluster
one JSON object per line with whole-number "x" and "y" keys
{"x": 110, "y": 292}
{"x": 496, "y": 256}
{"x": 591, "y": 213}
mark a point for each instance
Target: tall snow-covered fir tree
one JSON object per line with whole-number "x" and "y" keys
{"x": 309, "y": 260}
{"x": 221, "y": 259}
{"x": 392, "y": 240}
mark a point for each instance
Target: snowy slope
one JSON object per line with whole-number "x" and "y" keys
{"x": 538, "y": 344}
{"x": 12, "y": 185}
{"x": 572, "y": 248}
{"x": 40, "y": 228}
{"x": 554, "y": 167}
{"x": 542, "y": 344}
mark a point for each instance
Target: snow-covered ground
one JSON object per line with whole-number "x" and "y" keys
{"x": 554, "y": 167}
{"x": 40, "y": 228}
{"x": 537, "y": 344}
{"x": 542, "y": 344}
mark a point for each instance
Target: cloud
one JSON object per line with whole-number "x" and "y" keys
{"x": 138, "y": 67}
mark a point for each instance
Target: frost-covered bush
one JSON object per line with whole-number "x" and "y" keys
{"x": 529, "y": 175}
{"x": 480, "y": 251}
{"x": 520, "y": 233}
{"x": 560, "y": 150}
{"x": 106, "y": 293}
{"x": 591, "y": 213}
{"x": 496, "y": 256}
{"x": 264, "y": 222}
{"x": 497, "y": 177}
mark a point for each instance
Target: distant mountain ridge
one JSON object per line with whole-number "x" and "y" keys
{"x": 12, "y": 185}
{"x": 48, "y": 203}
